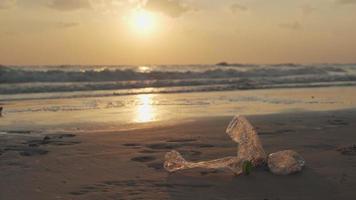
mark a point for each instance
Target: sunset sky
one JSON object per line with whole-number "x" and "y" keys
{"x": 177, "y": 31}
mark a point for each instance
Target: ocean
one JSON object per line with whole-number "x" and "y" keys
{"x": 70, "y": 81}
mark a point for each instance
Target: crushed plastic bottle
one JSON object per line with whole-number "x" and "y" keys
{"x": 249, "y": 145}
{"x": 249, "y": 149}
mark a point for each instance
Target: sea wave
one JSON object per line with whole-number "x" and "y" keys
{"x": 23, "y": 75}
{"x": 163, "y": 79}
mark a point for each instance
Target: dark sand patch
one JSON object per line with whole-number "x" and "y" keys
{"x": 81, "y": 192}
{"x": 280, "y": 131}
{"x": 207, "y": 172}
{"x": 19, "y": 132}
{"x": 149, "y": 151}
{"x": 26, "y": 151}
{"x": 320, "y": 146}
{"x": 169, "y": 146}
{"x": 143, "y": 158}
{"x": 338, "y": 122}
{"x": 165, "y": 146}
{"x": 206, "y": 145}
{"x": 34, "y": 143}
{"x": 131, "y": 145}
{"x": 33, "y": 152}
{"x": 55, "y": 139}
{"x": 183, "y": 185}
{"x": 348, "y": 150}
{"x": 60, "y": 135}
{"x": 182, "y": 140}
{"x": 156, "y": 165}
{"x": 190, "y": 152}
{"x": 27, "y": 146}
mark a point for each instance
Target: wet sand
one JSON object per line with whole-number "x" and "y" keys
{"x": 128, "y": 164}
{"x": 123, "y": 112}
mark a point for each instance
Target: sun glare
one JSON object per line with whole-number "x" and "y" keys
{"x": 142, "y": 21}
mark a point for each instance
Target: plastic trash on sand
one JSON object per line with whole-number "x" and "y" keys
{"x": 249, "y": 149}
{"x": 249, "y": 145}
{"x": 285, "y": 162}
{"x": 174, "y": 162}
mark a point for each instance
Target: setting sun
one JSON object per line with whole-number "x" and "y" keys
{"x": 142, "y": 21}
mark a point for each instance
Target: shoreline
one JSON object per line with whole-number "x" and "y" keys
{"x": 139, "y": 110}
{"x": 137, "y": 91}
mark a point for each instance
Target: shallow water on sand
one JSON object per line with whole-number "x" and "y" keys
{"x": 123, "y": 111}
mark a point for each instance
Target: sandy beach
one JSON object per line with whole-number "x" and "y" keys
{"x": 128, "y": 164}
{"x": 177, "y": 100}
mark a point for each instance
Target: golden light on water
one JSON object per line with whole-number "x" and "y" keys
{"x": 145, "y": 112}
{"x": 144, "y": 69}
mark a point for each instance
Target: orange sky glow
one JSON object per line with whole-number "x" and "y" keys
{"x": 137, "y": 32}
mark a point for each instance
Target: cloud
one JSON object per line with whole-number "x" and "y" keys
{"x": 292, "y": 26}
{"x": 307, "y": 9}
{"x": 5, "y": 4}
{"x": 172, "y": 8}
{"x": 66, "y": 24}
{"x": 344, "y": 2}
{"x": 69, "y": 5}
{"x": 235, "y": 8}
{"x": 36, "y": 27}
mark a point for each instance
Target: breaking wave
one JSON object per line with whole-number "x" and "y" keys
{"x": 173, "y": 78}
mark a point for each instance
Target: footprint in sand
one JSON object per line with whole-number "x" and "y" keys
{"x": 26, "y": 151}
{"x": 32, "y": 147}
{"x": 53, "y": 139}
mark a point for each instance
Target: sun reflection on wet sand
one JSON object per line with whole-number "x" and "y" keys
{"x": 145, "y": 112}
